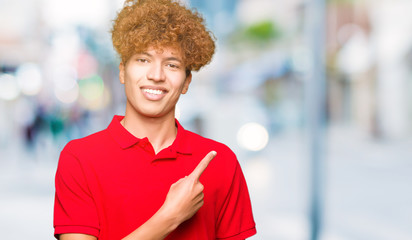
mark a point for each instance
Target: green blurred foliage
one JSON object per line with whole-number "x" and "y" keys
{"x": 260, "y": 33}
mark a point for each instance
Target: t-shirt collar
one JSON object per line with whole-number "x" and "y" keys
{"x": 125, "y": 139}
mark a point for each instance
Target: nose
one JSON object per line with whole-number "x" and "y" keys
{"x": 155, "y": 73}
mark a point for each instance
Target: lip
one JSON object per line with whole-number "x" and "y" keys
{"x": 152, "y": 96}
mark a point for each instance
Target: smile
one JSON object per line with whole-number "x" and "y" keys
{"x": 153, "y": 91}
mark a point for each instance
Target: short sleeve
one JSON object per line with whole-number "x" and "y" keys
{"x": 235, "y": 218}
{"x": 74, "y": 207}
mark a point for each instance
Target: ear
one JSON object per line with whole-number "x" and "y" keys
{"x": 121, "y": 72}
{"x": 186, "y": 84}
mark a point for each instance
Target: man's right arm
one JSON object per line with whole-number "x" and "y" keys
{"x": 183, "y": 200}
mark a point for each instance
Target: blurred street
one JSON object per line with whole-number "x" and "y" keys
{"x": 284, "y": 74}
{"x": 368, "y": 189}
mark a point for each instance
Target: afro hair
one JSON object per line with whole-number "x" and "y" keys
{"x": 163, "y": 23}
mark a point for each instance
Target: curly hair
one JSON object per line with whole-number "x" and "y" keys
{"x": 163, "y": 23}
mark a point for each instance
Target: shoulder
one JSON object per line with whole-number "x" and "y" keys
{"x": 203, "y": 144}
{"x": 88, "y": 143}
{"x": 84, "y": 152}
{"x": 224, "y": 165}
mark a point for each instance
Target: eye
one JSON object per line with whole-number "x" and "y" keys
{"x": 142, "y": 60}
{"x": 171, "y": 65}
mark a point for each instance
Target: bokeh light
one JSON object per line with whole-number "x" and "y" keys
{"x": 94, "y": 95}
{"x": 253, "y": 136}
{"x": 29, "y": 79}
{"x": 91, "y": 88}
{"x": 9, "y": 89}
{"x": 67, "y": 95}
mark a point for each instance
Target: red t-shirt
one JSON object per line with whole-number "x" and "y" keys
{"x": 110, "y": 183}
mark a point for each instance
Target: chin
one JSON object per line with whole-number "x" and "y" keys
{"x": 152, "y": 114}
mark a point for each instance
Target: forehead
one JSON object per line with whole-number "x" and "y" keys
{"x": 164, "y": 51}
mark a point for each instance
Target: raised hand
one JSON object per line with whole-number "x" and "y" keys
{"x": 185, "y": 197}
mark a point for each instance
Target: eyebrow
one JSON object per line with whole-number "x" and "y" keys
{"x": 167, "y": 59}
{"x": 174, "y": 59}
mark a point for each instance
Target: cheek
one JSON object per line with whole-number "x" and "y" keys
{"x": 132, "y": 78}
{"x": 179, "y": 82}
{"x": 130, "y": 88}
{"x": 135, "y": 72}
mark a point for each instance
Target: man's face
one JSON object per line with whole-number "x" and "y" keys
{"x": 154, "y": 80}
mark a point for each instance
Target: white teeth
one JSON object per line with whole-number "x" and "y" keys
{"x": 153, "y": 91}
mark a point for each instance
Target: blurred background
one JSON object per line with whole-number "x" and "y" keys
{"x": 314, "y": 97}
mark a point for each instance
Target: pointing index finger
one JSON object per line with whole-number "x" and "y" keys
{"x": 201, "y": 167}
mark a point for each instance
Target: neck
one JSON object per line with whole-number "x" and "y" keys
{"x": 161, "y": 131}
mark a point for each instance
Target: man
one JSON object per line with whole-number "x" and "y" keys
{"x": 145, "y": 176}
